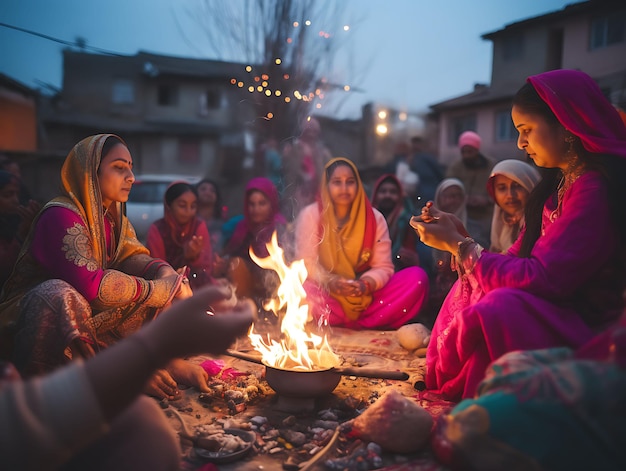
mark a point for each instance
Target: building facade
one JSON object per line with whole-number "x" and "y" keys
{"x": 589, "y": 36}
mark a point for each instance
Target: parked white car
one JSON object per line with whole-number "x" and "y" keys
{"x": 145, "y": 202}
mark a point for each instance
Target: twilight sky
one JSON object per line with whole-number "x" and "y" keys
{"x": 407, "y": 54}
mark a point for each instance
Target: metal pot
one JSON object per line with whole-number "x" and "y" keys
{"x": 306, "y": 384}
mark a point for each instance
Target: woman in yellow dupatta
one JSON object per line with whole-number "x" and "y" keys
{"x": 346, "y": 248}
{"x": 82, "y": 280}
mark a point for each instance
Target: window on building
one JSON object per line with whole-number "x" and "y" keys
{"x": 513, "y": 47}
{"x": 211, "y": 99}
{"x": 459, "y": 125}
{"x": 505, "y": 129}
{"x": 189, "y": 150}
{"x": 167, "y": 95}
{"x": 123, "y": 92}
{"x": 608, "y": 29}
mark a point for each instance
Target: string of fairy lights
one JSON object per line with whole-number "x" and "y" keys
{"x": 259, "y": 82}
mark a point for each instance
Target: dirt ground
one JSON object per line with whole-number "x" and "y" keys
{"x": 291, "y": 431}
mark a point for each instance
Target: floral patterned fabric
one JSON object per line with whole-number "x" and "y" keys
{"x": 545, "y": 409}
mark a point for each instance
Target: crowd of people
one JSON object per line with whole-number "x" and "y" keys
{"x": 518, "y": 266}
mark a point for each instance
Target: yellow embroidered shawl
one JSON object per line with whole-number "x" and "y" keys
{"x": 81, "y": 194}
{"x": 346, "y": 252}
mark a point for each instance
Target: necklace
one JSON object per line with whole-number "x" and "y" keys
{"x": 567, "y": 180}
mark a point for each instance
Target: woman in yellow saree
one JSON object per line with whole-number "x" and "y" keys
{"x": 346, "y": 248}
{"x": 82, "y": 280}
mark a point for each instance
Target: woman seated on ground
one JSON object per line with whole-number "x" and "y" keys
{"x": 82, "y": 280}
{"x": 180, "y": 238}
{"x": 510, "y": 183}
{"x": 211, "y": 210}
{"x": 556, "y": 409}
{"x": 261, "y": 219}
{"x": 345, "y": 245}
{"x": 562, "y": 280}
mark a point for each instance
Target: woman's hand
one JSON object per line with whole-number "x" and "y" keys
{"x": 184, "y": 291}
{"x": 442, "y": 231}
{"x": 193, "y": 248}
{"x": 162, "y": 386}
{"x": 346, "y": 287}
{"x": 189, "y": 374}
{"x": 186, "y": 328}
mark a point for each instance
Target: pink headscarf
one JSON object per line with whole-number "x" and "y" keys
{"x": 578, "y": 103}
{"x": 469, "y": 138}
{"x": 261, "y": 234}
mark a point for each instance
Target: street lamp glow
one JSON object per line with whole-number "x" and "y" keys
{"x": 402, "y": 116}
{"x": 248, "y": 68}
{"x": 346, "y": 88}
{"x": 381, "y": 129}
{"x": 346, "y": 28}
{"x": 382, "y": 114}
{"x": 278, "y": 61}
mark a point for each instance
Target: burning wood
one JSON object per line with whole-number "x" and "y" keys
{"x": 297, "y": 349}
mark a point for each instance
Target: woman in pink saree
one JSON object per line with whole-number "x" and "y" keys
{"x": 82, "y": 280}
{"x": 346, "y": 248}
{"x": 561, "y": 281}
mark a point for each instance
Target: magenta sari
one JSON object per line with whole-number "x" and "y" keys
{"x": 571, "y": 285}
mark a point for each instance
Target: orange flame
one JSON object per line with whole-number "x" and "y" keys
{"x": 297, "y": 349}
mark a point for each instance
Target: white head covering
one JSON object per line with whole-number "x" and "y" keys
{"x": 502, "y": 234}
{"x": 461, "y": 211}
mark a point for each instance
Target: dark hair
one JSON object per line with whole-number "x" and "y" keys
{"x": 337, "y": 163}
{"x": 390, "y": 179}
{"x": 177, "y": 189}
{"x": 110, "y": 142}
{"x": 611, "y": 167}
{"x": 218, "y": 211}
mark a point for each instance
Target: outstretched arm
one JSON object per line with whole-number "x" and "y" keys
{"x": 119, "y": 373}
